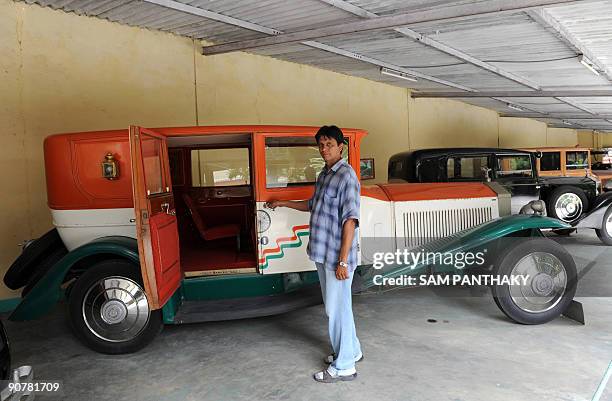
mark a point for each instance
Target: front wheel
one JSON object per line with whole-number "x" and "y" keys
{"x": 109, "y": 309}
{"x": 605, "y": 233}
{"x": 550, "y": 285}
{"x": 567, "y": 204}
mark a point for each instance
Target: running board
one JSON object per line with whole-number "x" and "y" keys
{"x": 249, "y": 307}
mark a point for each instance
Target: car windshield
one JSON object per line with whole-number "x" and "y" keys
{"x": 220, "y": 167}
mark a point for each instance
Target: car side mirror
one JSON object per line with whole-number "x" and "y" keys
{"x": 538, "y": 154}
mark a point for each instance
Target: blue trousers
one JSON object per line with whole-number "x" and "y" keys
{"x": 337, "y": 298}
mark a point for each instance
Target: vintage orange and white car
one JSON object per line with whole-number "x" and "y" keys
{"x": 169, "y": 226}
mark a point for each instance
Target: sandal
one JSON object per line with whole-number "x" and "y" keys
{"x": 331, "y": 358}
{"x": 325, "y": 377}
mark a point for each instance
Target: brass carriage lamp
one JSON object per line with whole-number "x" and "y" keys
{"x": 110, "y": 168}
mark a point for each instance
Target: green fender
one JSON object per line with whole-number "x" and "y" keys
{"x": 473, "y": 238}
{"x": 47, "y": 291}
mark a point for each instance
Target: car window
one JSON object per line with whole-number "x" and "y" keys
{"x": 575, "y": 160}
{"x": 152, "y": 162}
{"x": 550, "y": 161}
{"x": 428, "y": 170}
{"x": 220, "y": 167}
{"x": 294, "y": 161}
{"x": 396, "y": 169}
{"x": 515, "y": 166}
{"x": 466, "y": 167}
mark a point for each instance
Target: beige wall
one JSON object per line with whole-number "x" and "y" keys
{"x": 604, "y": 139}
{"x": 561, "y": 137}
{"x": 586, "y": 139}
{"x": 15, "y": 204}
{"x": 62, "y": 72}
{"x": 447, "y": 123}
{"x": 527, "y": 133}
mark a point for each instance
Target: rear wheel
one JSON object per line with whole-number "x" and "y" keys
{"x": 567, "y": 204}
{"x": 550, "y": 285}
{"x": 605, "y": 233}
{"x": 109, "y": 309}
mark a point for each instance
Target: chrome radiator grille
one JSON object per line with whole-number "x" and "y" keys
{"x": 419, "y": 223}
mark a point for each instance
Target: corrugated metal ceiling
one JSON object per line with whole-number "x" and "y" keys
{"x": 519, "y": 43}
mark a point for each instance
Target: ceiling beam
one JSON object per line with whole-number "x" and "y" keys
{"x": 575, "y": 104}
{"x": 492, "y": 7}
{"x": 380, "y": 63}
{"x": 175, "y": 5}
{"x": 350, "y": 8}
{"x": 467, "y": 58}
{"x": 542, "y": 93}
{"x": 559, "y": 116}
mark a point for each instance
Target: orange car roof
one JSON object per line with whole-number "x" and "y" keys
{"x": 218, "y": 129}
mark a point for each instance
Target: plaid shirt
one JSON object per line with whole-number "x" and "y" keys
{"x": 335, "y": 200}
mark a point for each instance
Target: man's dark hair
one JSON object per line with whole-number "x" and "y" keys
{"x": 332, "y": 132}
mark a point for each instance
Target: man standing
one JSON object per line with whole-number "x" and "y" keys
{"x": 332, "y": 245}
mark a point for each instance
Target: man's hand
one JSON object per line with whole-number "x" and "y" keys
{"x": 274, "y": 204}
{"x": 297, "y": 205}
{"x": 342, "y": 273}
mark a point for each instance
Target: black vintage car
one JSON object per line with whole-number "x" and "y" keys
{"x": 567, "y": 198}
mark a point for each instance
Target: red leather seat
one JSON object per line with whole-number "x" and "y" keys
{"x": 210, "y": 233}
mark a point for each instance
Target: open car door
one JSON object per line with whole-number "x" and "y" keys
{"x": 156, "y": 224}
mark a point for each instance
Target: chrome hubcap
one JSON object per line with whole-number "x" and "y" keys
{"x": 568, "y": 207}
{"x": 116, "y": 309}
{"x": 608, "y": 225}
{"x": 546, "y": 283}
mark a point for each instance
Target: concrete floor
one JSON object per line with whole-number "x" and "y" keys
{"x": 471, "y": 352}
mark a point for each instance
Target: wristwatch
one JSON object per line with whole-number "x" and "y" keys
{"x": 343, "y": 264}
